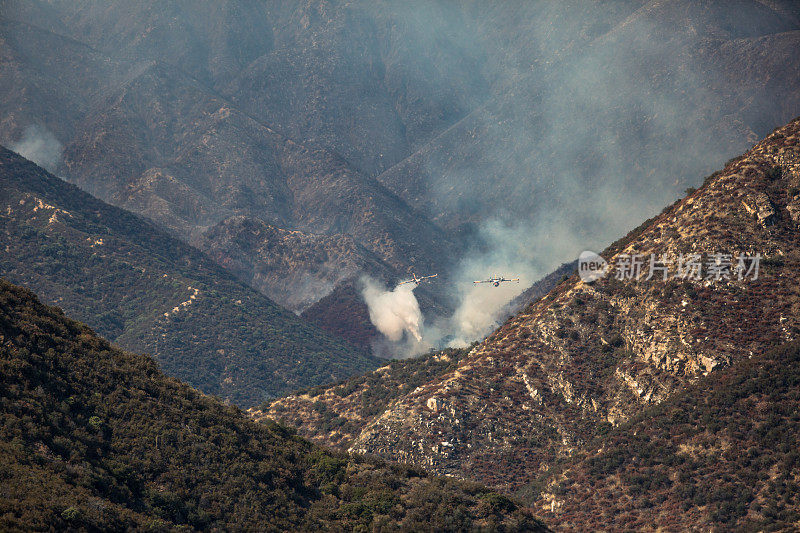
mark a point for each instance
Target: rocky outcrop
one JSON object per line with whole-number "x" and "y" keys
{"x": 335, "y": 415}
{"x": 793, "y": 207}
{"x": 757, "y": 204}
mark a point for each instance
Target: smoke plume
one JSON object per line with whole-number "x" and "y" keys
{"x": 40, "y": 146}
{"x": 570, "y": 158}
{"x": 395, "y": 313}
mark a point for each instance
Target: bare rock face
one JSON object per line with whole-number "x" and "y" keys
{"x": 788, "y": 160}
{"x": 793, "y": 207}
{"x": 434, "y": 404}
{"x": 757, "y": 204}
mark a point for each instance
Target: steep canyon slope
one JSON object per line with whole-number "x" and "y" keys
{"x": 589, "y": 356}
{"x": 592, "y": 355}
{"x": 720, "y": 455}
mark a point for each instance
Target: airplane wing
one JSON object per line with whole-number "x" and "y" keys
{"x": 429, "y": 277}
{"x": 404, "y": 282}
{"x": 483, "y": 281}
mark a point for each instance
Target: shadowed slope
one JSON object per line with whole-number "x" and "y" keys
{"x": 147, "y": 291}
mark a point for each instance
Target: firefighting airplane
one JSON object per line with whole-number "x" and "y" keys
{"x": 496, "y": 281}
{"x": 417, "y": 280}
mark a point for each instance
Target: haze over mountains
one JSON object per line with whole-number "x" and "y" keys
{"x": 350, "y": 138}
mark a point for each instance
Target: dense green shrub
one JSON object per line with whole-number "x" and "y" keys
{"x": 95, "y": 438}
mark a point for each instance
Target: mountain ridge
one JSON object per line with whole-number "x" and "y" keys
{"x": 150, "y": 292}
{"x": 551, "y": 357}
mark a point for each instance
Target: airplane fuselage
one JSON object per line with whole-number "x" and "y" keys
{"x": 496, "y": 281}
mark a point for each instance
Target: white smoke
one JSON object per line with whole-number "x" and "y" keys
{"x": 480, "y": 311}
{"x": 512, "y": 250}
{"x": 531, "y": 249}
{"x": 394, "y": 313}
{"x": 40, "y": 146}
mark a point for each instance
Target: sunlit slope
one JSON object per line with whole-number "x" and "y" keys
{"x": 722, "y": 454}
{"x": 588, "y": 356}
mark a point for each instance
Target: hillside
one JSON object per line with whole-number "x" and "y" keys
{"x": 147, "y": 291}
{"x": 344, "y": 313}
{"x": 588, "y": 357}
{"x": 274, "y": 260}
{"x": 722, "y": 454}
{"x": 542, "y": 287}
{"x": 95, "y": 438}
{"x": 335, "y": 414}
{"x": 628, "y": 102}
